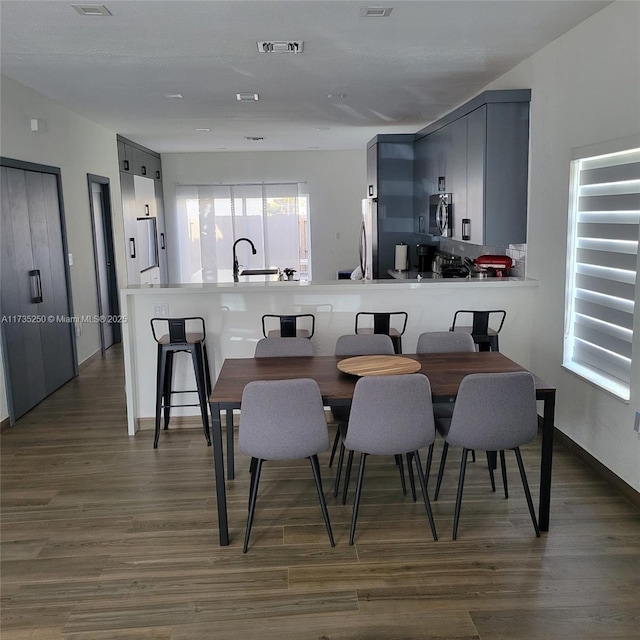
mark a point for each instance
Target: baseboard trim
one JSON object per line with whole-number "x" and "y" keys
{"x": 606, "y": 474}
{"x": 5, "y": 425}
{"x": 97, "y": 355}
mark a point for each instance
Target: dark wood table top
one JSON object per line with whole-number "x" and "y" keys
{"x": 444, "y": 370}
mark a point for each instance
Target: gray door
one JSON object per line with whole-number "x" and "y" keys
{"x": 38, "y": 340}
{"x": 106, "y": 282}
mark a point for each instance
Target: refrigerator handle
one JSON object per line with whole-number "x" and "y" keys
{"x": 362, "y": 248}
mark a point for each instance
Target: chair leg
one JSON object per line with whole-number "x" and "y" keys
{"x": 252, "y": 503}
{"x": 168, "y": 379}
{"x": 527, "y": 493}
{"x": 490, "y": 466}
{"x": 503, "y": 465}
{"x": 427, "y": 469}
{"x": 443, "y": 460}
{"x": 347, "y": 478}
{"x": 412, "y": 482}
{"x": 356, "y": 501}
{"x": 336, "y": 441}
{"x": 207, "y": 370}
{"x": 252, "y": 471}
{"x": 425, "y": 495}
{"x": 400, "y": 464}
{"x": 336, "y": 485}
{"x": 162, "y": 360}
{"x": 456, "y": 518}
{"x": 231, "y": 470}
{"x": 315, "y": 466}
{"x": 198, "y": 365}
{"x": 473, "y": 455}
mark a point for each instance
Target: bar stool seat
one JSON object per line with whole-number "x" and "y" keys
{"x": 288, "y": 326}
{"x": 382, "y": 324}
{"x": 180, "y": 335}
{"x": 483, "y": 335}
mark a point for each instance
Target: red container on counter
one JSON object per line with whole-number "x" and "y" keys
{"x": 499, "y": 263}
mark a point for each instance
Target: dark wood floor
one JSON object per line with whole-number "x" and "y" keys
{"x": 105, "y": 538}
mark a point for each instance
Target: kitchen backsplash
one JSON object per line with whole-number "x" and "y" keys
{"x": 517, "y": 253}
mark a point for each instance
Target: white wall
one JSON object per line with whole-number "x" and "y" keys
{"x": 78, "y": 147}
{"x": 335, "y": 181}
{"x": 585, "y": 89}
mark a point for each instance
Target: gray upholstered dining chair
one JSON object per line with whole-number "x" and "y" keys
{"x": 354, "y": 345}
{"x": 443, "y": 342}
{"x": 391, "y": 415}
{"x": 283, "y": 420}
{"x": 283, "y": 347}
{"x": 493, "y": 412}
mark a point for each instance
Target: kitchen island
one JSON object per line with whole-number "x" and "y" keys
{"x": 233, "y": 312}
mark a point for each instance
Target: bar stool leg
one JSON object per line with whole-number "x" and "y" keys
{"x": 198, "y": 365}
{"x": 168, "y": 379}
{"x": 159, "y": 391}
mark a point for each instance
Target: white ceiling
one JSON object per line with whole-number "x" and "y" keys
{"x": 398, "y": 74}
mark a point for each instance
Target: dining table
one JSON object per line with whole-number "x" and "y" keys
{"x": 444, "y": 370}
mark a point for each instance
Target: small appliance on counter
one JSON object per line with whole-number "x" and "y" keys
{"x": 497, "y": 266}
{"x": 425, "y": 254}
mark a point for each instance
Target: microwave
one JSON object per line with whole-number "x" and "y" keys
{"x": 440, "y": 215}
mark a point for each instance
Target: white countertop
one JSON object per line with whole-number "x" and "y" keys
{"x": 335, "y": 285}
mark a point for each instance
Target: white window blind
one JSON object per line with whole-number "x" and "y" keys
{"x": 602, "y": 269}
{"x": 212, "y": 217}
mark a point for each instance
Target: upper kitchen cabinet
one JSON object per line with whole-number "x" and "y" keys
{"x": 137, "y": 160}
{"x": 497, "y": 173}
{"x": 479, "y": 154}
{"x": 390, "y": 175}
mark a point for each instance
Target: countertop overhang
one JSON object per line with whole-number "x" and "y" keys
{"x": 410, "y": 283}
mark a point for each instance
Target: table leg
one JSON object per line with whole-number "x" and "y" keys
{"x": 218, "y": 469}
{"x": 549, "y": 399}
{"x": 231, "y": 473}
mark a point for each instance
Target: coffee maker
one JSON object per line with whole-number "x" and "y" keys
{"x": 425, "y": 253}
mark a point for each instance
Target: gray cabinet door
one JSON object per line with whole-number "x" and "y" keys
{"x": 38, "y": 343}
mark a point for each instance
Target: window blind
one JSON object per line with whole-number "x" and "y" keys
{"x": 604, "y": 234}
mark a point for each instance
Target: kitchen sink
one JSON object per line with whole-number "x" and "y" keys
{"x": 259, "y": 272}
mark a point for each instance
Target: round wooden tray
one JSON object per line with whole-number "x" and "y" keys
{"x": 378, "y": 365}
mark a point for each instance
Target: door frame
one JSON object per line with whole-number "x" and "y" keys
{"x": 55, "y": 171}
{"x": 112, "y": 278}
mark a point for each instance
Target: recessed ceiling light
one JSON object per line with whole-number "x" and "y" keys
{"x": 280, "y": 46}
{"x": 91, "y": 9}
{"x": 323, "y": 128}
{"x": 337, "y": 96}
{"x": 247, "y": 97}
{"x": 174, "y": 96}
{"x": 202, "y": 129}
{"x": 314, "y": 147}
{"x": 375, "y": 12}
{"x": 254, "y": 138}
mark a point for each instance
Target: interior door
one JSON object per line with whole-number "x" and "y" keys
{"x": 38, "y": 339}
{"x": 106, "y": 280}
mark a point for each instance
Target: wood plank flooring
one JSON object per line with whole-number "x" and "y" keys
{"x": 104, "y": 537}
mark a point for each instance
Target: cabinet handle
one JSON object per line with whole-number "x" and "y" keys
{"x": 157, "y": 175}
{"x": 36, "y": 292}
{"x": 132, "y": 247}
{"x": 466, "y": 229}
{"x": 370, "y": 190}
{"x": 162, "y": 241}
{"x": 146, "y": 210}
{"x": 143, "y": 170}
{"x": 126, "y": 165}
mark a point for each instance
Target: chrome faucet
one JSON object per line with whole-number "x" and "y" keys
{"x": 236, "y": 266}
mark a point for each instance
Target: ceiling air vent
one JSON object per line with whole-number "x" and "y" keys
{"x": 280, "y": 46}
{"x": 375, "y": 12}
{"x": 247, "y": 97}
{"x": 254, "y": 138}
{"x": 91, "y": 9}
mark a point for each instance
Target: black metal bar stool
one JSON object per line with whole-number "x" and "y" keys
{"x": 182, "y": 335}
{"x": 289, "y": 326}
{"x": 382, "y": 324}
{"x": 483, "y": 335}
